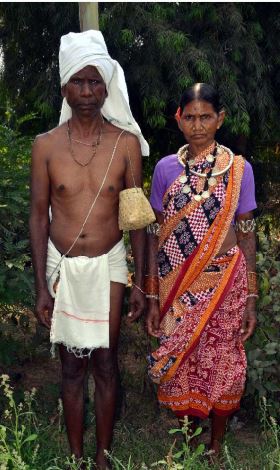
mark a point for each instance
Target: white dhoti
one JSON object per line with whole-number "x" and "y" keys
{"x": 80, "y": 318}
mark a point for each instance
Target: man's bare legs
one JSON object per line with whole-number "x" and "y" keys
{"x": 73, "y": 377}
{"x": 104, "y": 365}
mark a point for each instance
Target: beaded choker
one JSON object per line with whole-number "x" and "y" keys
{"x": 210, "y": 175}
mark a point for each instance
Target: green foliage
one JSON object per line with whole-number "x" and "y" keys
{"x": 263, "y": 350}
{"x": 30, "y": 35}
{"x": 271, "y": 431}
{"x": 230, "y": 54}
{"x": 28, "y": 443}
{"x": 163, "y": 47}
{"x": 23, "y": 438}
{"x": 16, "y": 284}
{"x": 18, "y": 432}
{"x": 189, "y": 456}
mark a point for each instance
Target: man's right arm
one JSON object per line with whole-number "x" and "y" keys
{"x": 39, "y": 228}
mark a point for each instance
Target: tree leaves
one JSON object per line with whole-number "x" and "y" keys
{"x": 16, "y": 282}
{"x": 263, "y": 349}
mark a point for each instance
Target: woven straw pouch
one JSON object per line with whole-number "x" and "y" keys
{"x": 135, "y": 211}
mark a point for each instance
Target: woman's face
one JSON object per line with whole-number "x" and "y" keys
{"x": 199, "y": 122}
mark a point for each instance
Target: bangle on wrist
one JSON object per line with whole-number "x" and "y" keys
{"x": 152, "y": 284}
{"x": 252, "y": 283}
{"x": 252, "y": 295}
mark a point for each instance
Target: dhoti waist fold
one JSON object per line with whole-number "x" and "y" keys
{"x": 80, "y": 318}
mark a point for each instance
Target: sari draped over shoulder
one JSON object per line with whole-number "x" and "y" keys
{"x": 200, "y": 364}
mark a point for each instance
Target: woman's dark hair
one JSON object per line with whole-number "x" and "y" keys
{"x": 201, "y": 91}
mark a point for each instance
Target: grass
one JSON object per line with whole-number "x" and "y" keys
{"x": 34, "y": 437}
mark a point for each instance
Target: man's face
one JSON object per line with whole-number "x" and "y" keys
{"x": 85, "y": 92}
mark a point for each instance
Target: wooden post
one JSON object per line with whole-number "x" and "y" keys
{"x": 88, "y": 15}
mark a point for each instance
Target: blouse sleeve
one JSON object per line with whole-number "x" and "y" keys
{"x": 158, "y": 187}
{"x": 247, "y": 199}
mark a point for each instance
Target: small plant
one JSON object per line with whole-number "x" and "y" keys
{"x": 271, "y": 431}
{"x": 118, "y": 465}
{"x": 22, "y": 437}
{"x": 20, "y": 431}
{"x": 188, "y": 457}
{"x": 72, "y": 463}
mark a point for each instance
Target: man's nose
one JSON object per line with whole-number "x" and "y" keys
{"x": 86, "y": 89}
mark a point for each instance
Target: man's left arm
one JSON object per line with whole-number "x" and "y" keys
{"x": 137, "y": 300}
{"x": 246, "y": 240}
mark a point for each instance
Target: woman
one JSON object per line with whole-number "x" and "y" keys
{"x": 201, "y": 282}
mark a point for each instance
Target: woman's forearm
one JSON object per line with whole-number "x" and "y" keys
{"x": 247, "y": 243}
{"x": 152, "y": 250}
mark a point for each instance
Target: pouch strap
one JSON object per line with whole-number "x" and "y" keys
{"x": 130, "y": 164}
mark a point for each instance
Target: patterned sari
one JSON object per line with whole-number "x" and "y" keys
{"x": 200, "y": 364}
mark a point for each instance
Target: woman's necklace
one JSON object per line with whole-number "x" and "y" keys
{"x": 94, "y": 144}
{"x": 209, "y": 176}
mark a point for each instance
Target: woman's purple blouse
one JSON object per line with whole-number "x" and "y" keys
{"x": 168, "y": 168}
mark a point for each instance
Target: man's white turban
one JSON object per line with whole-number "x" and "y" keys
{"x": 77, "y": 50}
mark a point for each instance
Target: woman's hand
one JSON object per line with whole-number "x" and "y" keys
{"x": 153, "y": 318}
{"x": 249, "y": 320}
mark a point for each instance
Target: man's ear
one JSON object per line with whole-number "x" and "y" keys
{"x": 63, "y": 91}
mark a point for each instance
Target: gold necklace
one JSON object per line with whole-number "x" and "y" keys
{"x": 94, "y": 145}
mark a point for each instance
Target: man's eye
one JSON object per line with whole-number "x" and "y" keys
{"x": 76, "y": 81}
{"x": 188, "y": 118}
{"x": 205, "y": 117}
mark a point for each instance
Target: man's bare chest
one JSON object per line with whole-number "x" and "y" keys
{"x": 69, "y": 179}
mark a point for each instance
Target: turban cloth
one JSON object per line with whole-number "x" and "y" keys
{"x": 78, "y": 50}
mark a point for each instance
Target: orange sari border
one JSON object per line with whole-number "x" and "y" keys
{"x": 204, "y": 413}
{"x": 196, "y": 404}
{"x": 212, "y": 242}
{"x": 214, "y": 304}
{"x": 222, "y": 403}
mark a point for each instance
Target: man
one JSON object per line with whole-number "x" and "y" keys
{"x": 78, "y": 169}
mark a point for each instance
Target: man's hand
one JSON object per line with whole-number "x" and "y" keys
{"x": 249, "y": 320}
{"x": 137, "y": 304}
{"x": 153, "y": 319}
{"x": 44, "y": 308}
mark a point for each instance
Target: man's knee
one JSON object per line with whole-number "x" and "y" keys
{"x": 105, "y": 369}
{"x": 73, "y": 371}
